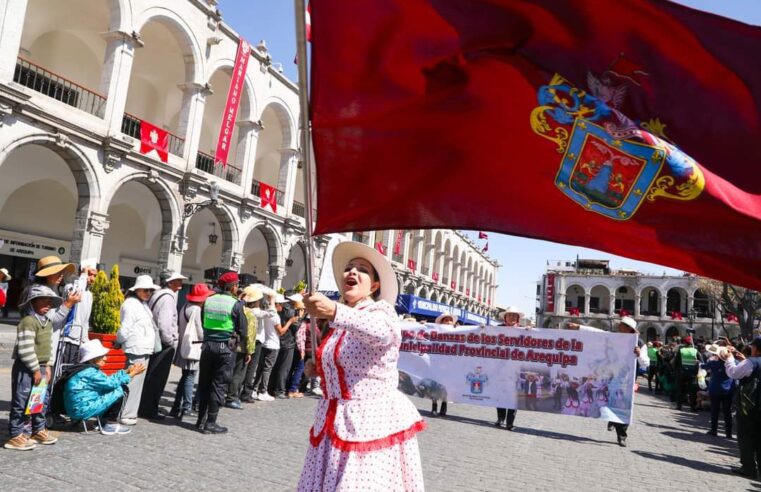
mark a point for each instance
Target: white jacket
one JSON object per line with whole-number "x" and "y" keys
{"x": 137, "y": 334}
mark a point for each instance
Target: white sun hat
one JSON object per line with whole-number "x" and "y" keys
{"x": 441, "y": 317}
{"x": 279, "y": 299}
{"x": 628, "y": 321}
{"x": 175, "y": 276}
{"x": 348, "y": 250}
{"x": 295, "y": 298}
{"x": 144, "y": 282}
{"x": 91, "y": 349}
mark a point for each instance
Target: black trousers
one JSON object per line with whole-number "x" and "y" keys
{"x": 282, "y": 369}
{"x": 723, "y": 403}
{"x": 749, "y": 442}
{"x": 251, "y": 368}
{"x": 239, "y": 372}
{"x": 652, "y": 373}
{"x": 506, "y": 415}
{"x": 155, "y": 381}
{"x": 215, "y": 368}
{"x": 264, "y": 370}
{"x": 621, "y": 429}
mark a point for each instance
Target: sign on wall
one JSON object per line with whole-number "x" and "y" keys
{"x": 28, "y": 246}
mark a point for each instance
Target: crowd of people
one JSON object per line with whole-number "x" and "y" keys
{"x": 242, "y": 345}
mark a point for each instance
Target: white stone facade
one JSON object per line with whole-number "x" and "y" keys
{"x": 593, "y": 294}
{"x": 76, "y": 80}
{"x": 440, "y": 265}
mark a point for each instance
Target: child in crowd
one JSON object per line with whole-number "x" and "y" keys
{"x": 31, "y": 355}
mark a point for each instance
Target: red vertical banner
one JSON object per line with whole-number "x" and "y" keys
{"x": 379, "y": 246}
{"x": 411, "y": 265}
{"x": 550, "y": 293}
{"x": 233, "y": 102}
{"x": 453, "y": 285}
{"x": 435, "y": 276}
{"x": 398, "y": 242}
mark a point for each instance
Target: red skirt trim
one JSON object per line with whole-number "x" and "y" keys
{"x": 345, "y": 394}
{"x": 360, "y": 446}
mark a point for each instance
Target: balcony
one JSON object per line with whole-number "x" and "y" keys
{"x": 256, "y": 191}
{"x": 205, "y": 163}
{"x": 131, "y": 126}
{"x": 398, "y": 258}
{"x": 59, "y": 88}
{"x": 299, "y": 210}
{"x": 425, "y": 271}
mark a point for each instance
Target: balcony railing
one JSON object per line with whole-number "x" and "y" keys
{"x": 59, "y": 88}
{"x": 279, "y": 195}
{"x": 425, "y": 270}
{"x": 299, "y": 209}
{"x": 205, "y": 163}
{"x": 131, "y": 127}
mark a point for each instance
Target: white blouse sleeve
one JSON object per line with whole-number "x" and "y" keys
{"x": 376, "y": 325}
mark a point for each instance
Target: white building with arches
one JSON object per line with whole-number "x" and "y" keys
{"x": 591, "y": 292}
{"x": 78, "y": 78}
{"x": 440, "y": 265}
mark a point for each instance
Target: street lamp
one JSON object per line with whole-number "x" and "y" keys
{"x": 691, "y": 315}
{"x": 191, "y": 209}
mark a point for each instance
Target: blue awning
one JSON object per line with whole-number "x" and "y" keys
{"x": 409, "y": 304}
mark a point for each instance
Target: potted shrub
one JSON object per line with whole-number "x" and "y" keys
{"x": 105, "y": 320}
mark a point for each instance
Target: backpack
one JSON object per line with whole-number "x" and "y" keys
{"x": 56, "y": 406}
{"x": 749, "y": 396}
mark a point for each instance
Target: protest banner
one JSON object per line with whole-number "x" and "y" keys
{"x": 580, "y": 373}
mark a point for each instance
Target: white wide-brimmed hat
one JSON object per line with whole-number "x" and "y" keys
{"x": 441, "y": 317}
{"x": 280, "y": 299}
{"x": 295, "y": 298}
{"x": 175, "y": 276}
{"x": 6, "y": 275}
{"x": 91, "y": 349}
{"x": 144, "y": 282}
{"x": 511, "y": 310}
{"x": 629, "y": 321}
{"x": 344, "y": 252}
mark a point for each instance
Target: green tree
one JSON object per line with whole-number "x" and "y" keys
{"x": 107, "y": 301}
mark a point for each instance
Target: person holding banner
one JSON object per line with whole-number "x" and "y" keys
{"x": 511, "y": 318}
{"x": 626, "y": 325}
{"x": 446, "y": 319}
{"x": 364, "y": 435}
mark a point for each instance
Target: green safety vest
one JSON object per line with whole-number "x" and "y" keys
{"x": 689, "y": 356}
{"x": 652, "y": 354}
{"x": 218, "y": 313}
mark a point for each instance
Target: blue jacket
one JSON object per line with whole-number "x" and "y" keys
{"x": 719, "y": 383}
{"x": 90, "y": 393}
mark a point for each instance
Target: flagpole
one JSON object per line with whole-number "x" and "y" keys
{"x": 306, "y": 151}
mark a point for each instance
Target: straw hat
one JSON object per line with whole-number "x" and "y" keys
{"x": 91, "y": 349}
{"x": 252, "y": 294}
{"x": 712, "y": 349}
{"x": 199, "y": 293}
{"x": 52, "y": 265}
{"x": 6, "y": 274}
{"x": 441, "y": 317}
{"x": 144, "y": 282}
{"x": 347, "y": 251}
{"x": 511, "y": 310}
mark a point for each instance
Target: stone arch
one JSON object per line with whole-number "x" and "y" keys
{"x": 253, "y": 252}
{"x": 286, "y": 119}
{"x": 410, "y": 288}
{"x": 652, "y": 333}
{"x": 248, "y": 109}
{"x": 650, "y": 300}
{"x": 676, "y": 300}
{"x": 575, "y": 297}
{"x": 435, "y": 296}
{"x": 184, "y": 35}
{"x": 121, "y": 15}
{"x": 295, "y": 264}
{"x": 702, "y": 304}
{"x": 599, "y": 300}
{"x": 672, "y": 331}
{"x": 170, "y": 206}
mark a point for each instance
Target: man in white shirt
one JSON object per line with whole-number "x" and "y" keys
{"x": 626, "y": 325}
{"x": 270, "y": 347}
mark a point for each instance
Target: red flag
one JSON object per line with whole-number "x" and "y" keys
{"x": 663, "y": 171}
{"x": 435, "y": 276}
{"x": 308, "y": 15}
{"x": 398, "y": 242}
{"x": 154, "y": 138}
{"x": 467, "y": 292}
{"x": 411, "y": 265}
{"x": 453, "y": 285}
{"x": 380, "y": 247}
{"x": 482, "y": 235}
{"x": 268, "y": 196}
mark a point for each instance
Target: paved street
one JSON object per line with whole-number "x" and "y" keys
{"x": 266, "y": 445}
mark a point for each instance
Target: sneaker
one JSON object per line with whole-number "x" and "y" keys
{"x": 44, "y": 437}
{"x": 115, "y": 429}
{"x": 265, "y": 397}
{"x": 234, "y": 404}
{"x": 317, "y": 391}
{"x": 20, "y": 443}
{"x": 128, "y": 421}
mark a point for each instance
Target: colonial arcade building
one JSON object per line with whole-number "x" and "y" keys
{"x": 664, "y": 306}
{"x": 78, "y": 81}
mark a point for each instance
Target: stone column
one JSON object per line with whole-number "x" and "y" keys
{"x": 12, "y": 17}
{"x": 587, "y": 296}
{"x": 612, "y": 304}
{"x": 637, "y": 301}
{"x": 662, "y": 300}
{"x": 232, "y": 260}
{"x": 115, "y": 76}
{"x": 560, "y": 304}
{"x": 191, "y": 119}
{"x": 390, "y": 243}
{"x": 277, "y": 274}
{"x": 690, "y": 304}
{"x": 87, "y": 240}
{"x": 245, "y": 157}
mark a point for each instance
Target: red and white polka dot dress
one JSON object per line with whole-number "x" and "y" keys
{"x": 363, "y": 437}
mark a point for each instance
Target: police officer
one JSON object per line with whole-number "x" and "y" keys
{"x": 686, "y": 361}
{"x": 224, "y": 326}
{"x": 652, "y": 370}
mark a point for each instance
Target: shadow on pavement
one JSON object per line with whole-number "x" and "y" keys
{"x": 678, "y": 460}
